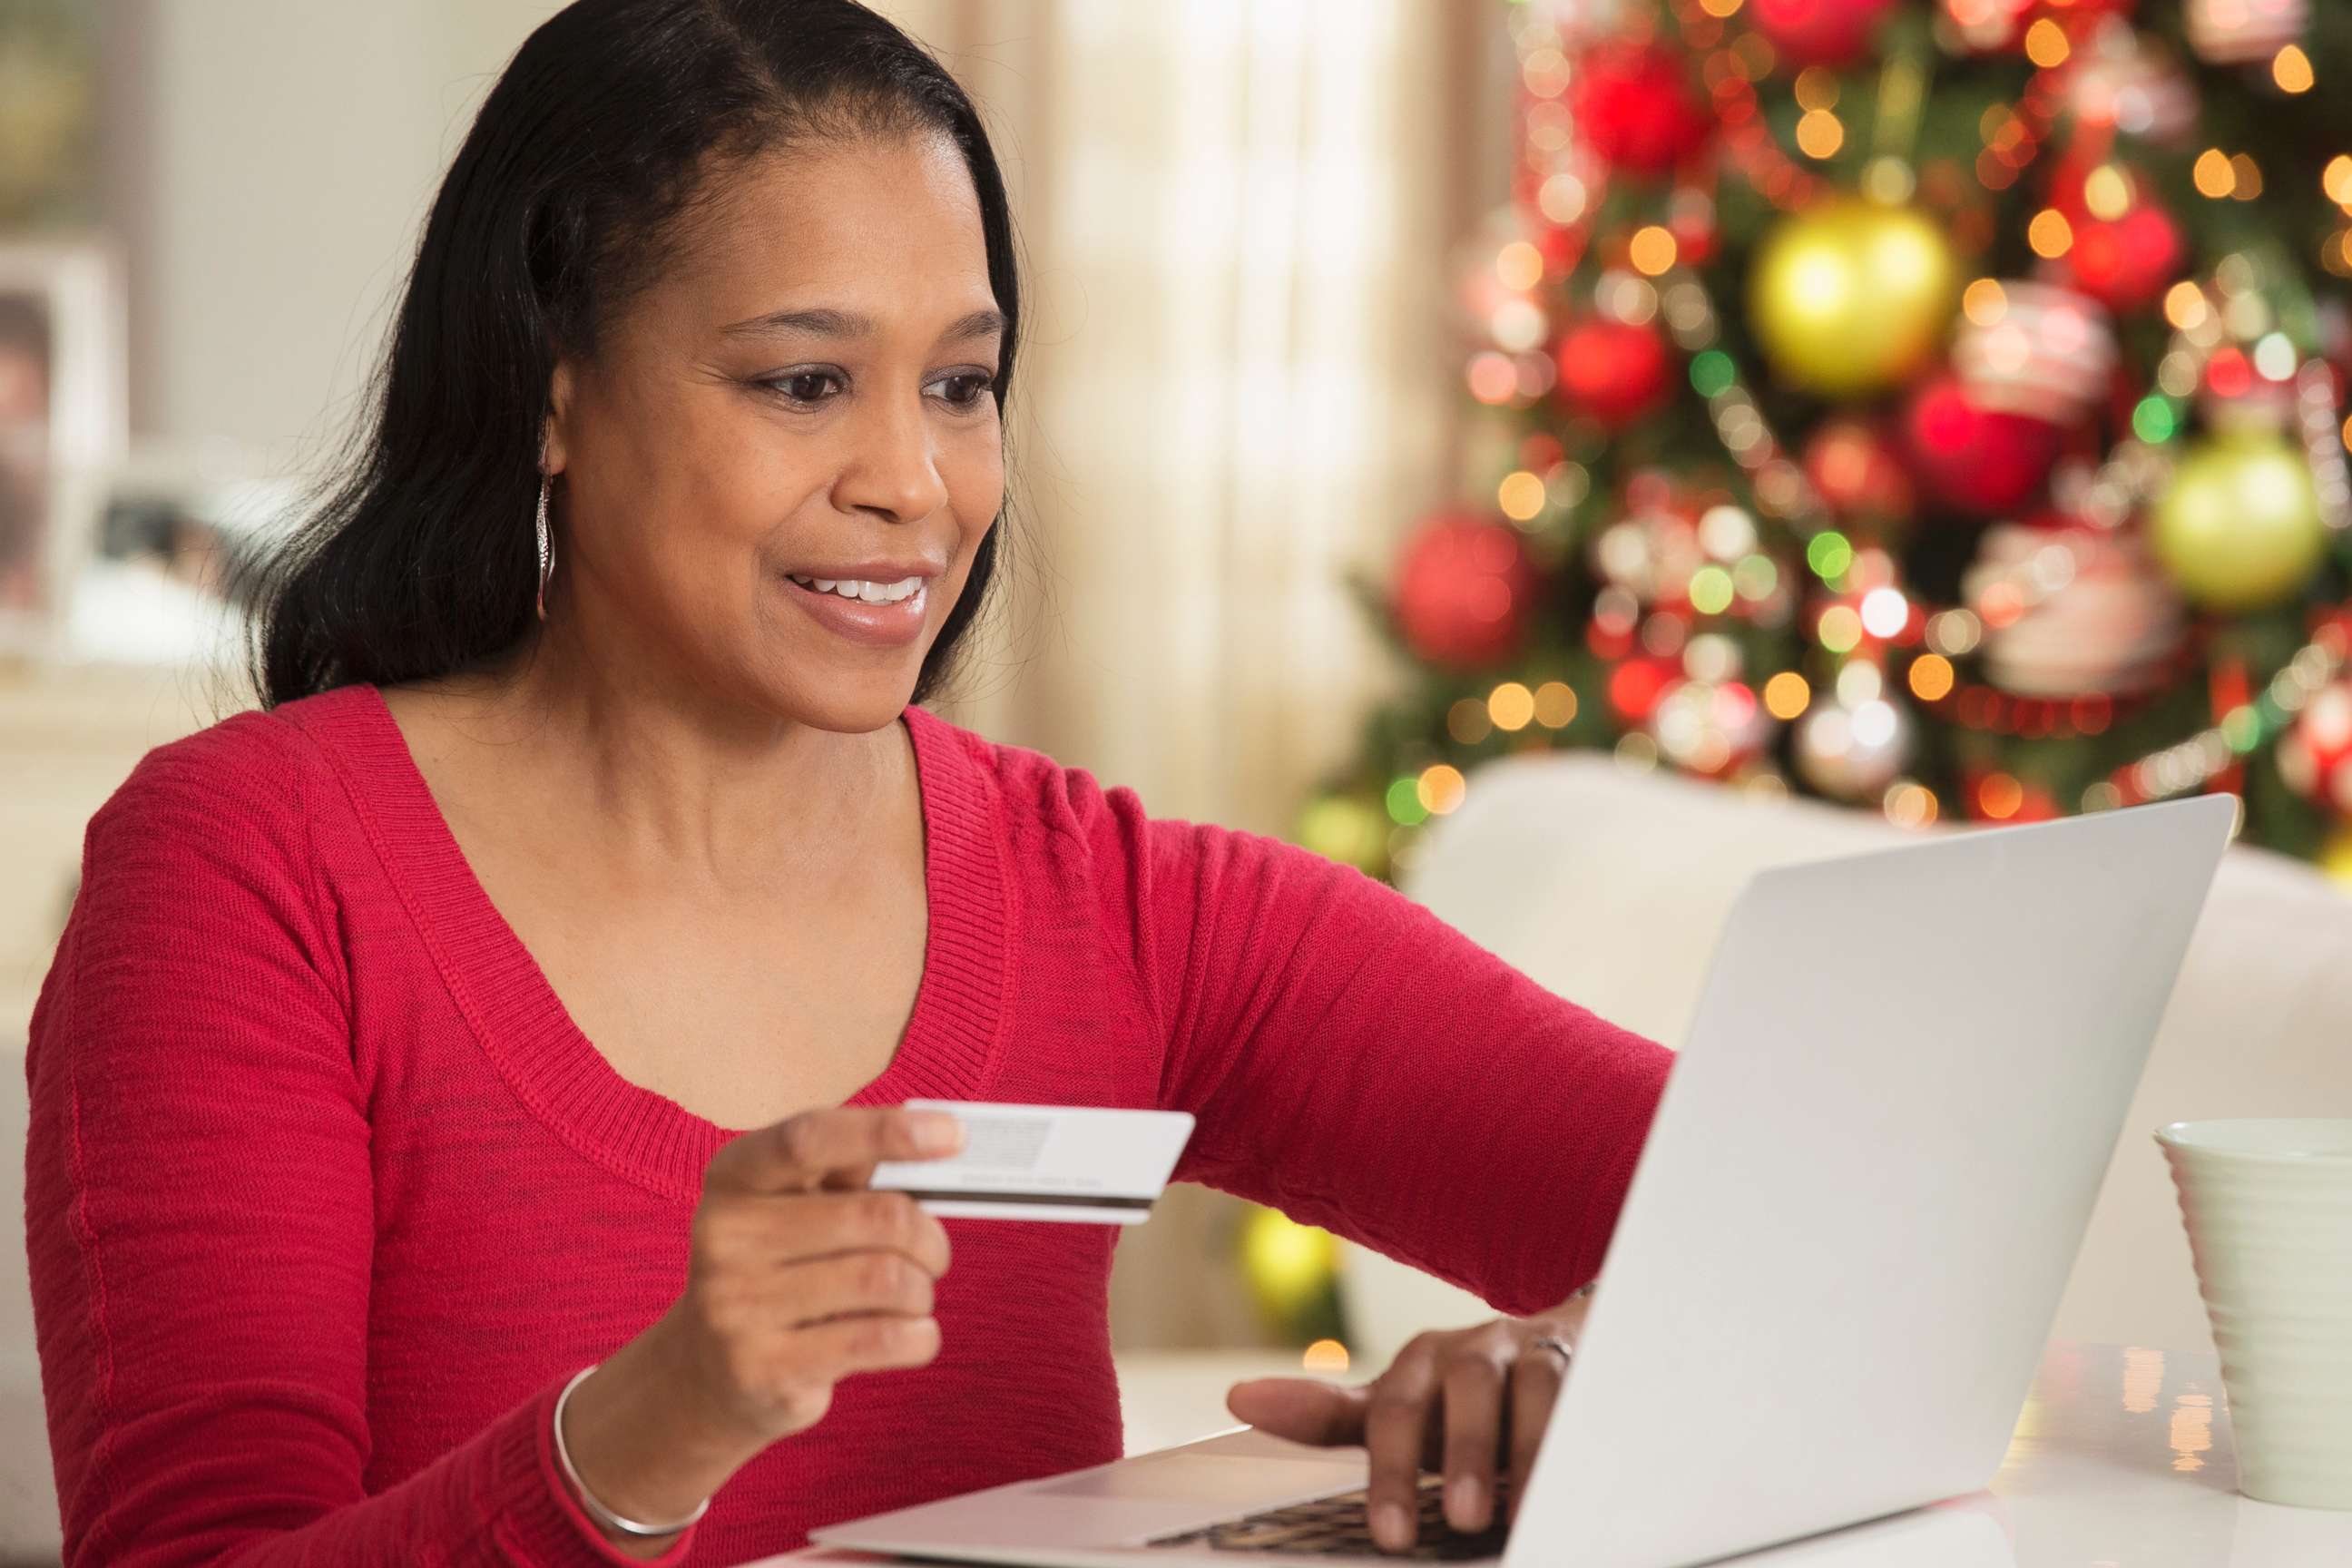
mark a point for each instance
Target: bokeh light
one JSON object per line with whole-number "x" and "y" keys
{"x": 1403, "y": 801}
{"x": 1820, "y": 133}
{"x": 2045, "y": 44}
{"x": 1512, "y": 707}
{"x": 1885, "y": 613}
{"x": 2050, "y": 233}
{"x": 1710, "y": 590}
{"x": 1520, "y": 496}
{"x": 1984, "y": 301}
{"x": 1786, "y": 695}
{"x": 2336, "y": 180}
{"x": 2106, "y": 192}
{"x": 1651, "y": 250}
{"x": 1520, "y": 265}
{"x": 2210, "y": 173}
{"x": 2184, "y": 305}
{"x": 2291, "y": 68}
{"x": 1441, "y": 788}
{"x": 1829, "y": 554}
{"x": 1324, "y": 1356}
{"x": 1998, "y": 796}
{"x": 1910, "y": 805}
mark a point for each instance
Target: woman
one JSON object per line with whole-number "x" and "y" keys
{"x": 587, "y": 719}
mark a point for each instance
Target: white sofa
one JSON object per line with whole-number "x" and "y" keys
{"x": 1610, "y": 887}
{"x": 68, "y": 737}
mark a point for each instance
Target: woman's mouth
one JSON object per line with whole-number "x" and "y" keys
{"x": 879, "y": 615}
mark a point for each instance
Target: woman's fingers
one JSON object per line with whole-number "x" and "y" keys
{"x": 867, "y": 1342}
{"x": 800, "y": 1153}
{"x": 861, "y": 1282}
{"x": 1474, "y": 1421}
{"x": 1466, "y": 1402}
{"x": 1303, "y": 1409}
{"x": 773, "y": 1231}
{"x": 1396, "y": 1431}
{"x": 1536, "y": 1379}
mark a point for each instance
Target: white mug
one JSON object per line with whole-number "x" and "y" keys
{"x": 2268, "y": 1204}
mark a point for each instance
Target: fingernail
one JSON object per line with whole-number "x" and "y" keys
{"x": 1461, "y": 1502}
{"x": 1391, "y": 1524}
{"x": 937, "y": 1134}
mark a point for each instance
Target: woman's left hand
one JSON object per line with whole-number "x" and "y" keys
{"x": 1471, "y": 1403}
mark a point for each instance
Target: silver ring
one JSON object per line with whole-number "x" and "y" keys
{"x": 1554, "y": 1342}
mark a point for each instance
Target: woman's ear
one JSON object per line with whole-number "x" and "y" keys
{"x": 552, "y": 449}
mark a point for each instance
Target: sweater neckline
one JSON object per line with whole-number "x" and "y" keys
{"x": 948, "y": 1050}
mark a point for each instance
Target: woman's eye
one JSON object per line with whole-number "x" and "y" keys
{"x": 977, "y": 385}
{"x": 793, "y": 386}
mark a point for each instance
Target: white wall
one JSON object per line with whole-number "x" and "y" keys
{"x": 275, "y": 161}
{"x": 285, "y": 152}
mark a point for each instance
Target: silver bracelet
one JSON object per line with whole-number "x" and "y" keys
{"x": 597, "y": 1510}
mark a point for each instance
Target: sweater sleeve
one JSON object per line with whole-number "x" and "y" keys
{"x": 200, "y": 1208}
{"x": 1360, "y": 1065}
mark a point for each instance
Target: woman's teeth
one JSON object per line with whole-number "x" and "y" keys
{"x": 850, "y": 588}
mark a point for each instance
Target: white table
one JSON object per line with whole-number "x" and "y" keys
{"x": 2121, "y": 1459}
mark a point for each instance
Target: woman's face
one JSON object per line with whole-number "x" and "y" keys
{"x": 802, "y": 394}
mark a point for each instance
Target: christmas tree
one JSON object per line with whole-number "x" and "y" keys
{"x": 1929, "y": 405}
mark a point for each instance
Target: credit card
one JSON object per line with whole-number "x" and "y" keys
{"x": 1067, "y": 1162}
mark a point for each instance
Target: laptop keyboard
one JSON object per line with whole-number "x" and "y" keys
{"x": 1338, "y": 1525}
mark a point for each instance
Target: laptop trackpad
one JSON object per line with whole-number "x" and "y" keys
{"x": 1213, "y": 1480}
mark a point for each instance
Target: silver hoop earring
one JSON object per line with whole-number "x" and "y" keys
{"x": 546, "y": 545}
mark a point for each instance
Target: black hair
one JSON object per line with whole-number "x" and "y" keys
{"x": 418, "y": 558}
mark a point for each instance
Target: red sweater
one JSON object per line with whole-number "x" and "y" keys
{"x": 327, "y": 1195}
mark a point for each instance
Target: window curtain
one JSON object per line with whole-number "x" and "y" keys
{"x": 1238, "y": 378}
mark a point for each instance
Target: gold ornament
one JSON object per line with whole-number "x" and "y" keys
{"x": 2335, "y": 855}
{"x": 1853, "y": 296}
{"x": 1343, "y": 829}
{"x": 2239, "y": 527}
{"x": 1290, "y": 1268}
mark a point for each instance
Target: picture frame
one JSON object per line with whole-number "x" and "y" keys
{"x": 64, "y": 411}
{"x": 162, "y": 538}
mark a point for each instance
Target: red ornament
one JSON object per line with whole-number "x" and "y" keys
{"x": 1614, "y": 372}
{"x": 2126, "y": 263}
{"x": 1977, "y": 459}
{"x": 1635, "y": 686}
{"x": 1635, "y": 104}
{"x": 1857, "y": 469}
{"x": 1464, "y": 588}
{"x": 2315, "y": 756}
{"x": 1819, "y": 32}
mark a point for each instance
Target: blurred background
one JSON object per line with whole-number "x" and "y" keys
{"x": 1933, "y": 408}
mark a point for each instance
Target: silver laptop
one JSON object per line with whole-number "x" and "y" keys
{"x": 1842, "y": 1249}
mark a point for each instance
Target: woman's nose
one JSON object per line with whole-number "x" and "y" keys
{"x": 891, "y": 467}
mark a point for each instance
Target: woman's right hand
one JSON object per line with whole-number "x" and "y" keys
{"x": 798, "y": 1276}
{"x": 801, "y": 1275}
